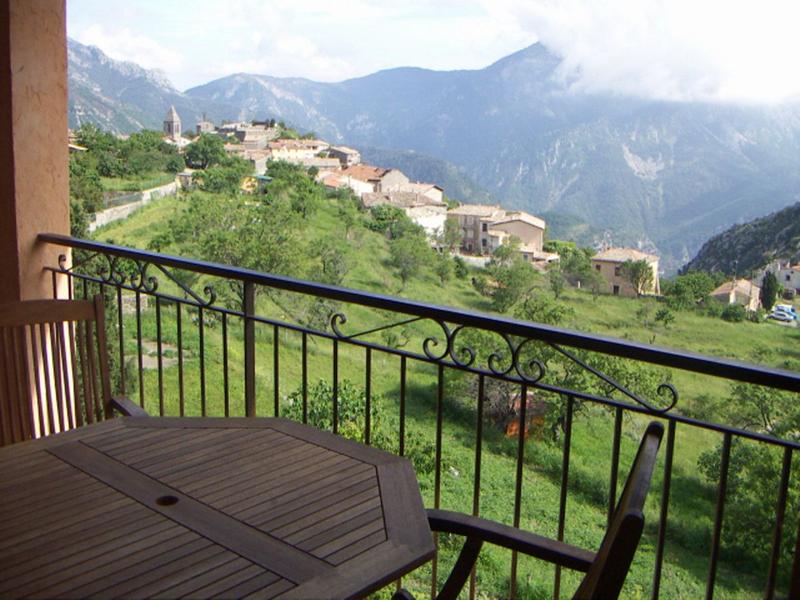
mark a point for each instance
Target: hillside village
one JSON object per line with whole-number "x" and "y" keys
{"x": 481, "y": 228}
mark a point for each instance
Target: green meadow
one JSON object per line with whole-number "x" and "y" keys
{"x": 204, "y": 383}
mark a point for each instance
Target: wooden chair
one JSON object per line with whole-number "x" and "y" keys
{"x": 54, "y": 368}
{"x": 605, "y": 569}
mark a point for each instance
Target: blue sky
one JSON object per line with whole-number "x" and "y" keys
{"x": 736, "y": 50}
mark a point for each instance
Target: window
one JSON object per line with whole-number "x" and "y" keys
{"x": 484, "y": 227}
{"x": 597, "y": 267}
{"x": 617, "y": 271}
{"x": 788, "y": 277}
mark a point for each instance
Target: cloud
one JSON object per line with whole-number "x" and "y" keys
{"x": 685, "y": 50}
{"x": 674, "y": 49}
{"x": 124, "y": 44}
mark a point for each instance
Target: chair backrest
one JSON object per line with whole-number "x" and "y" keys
{"x": 53, "y": 367}
{"x": 605, "y": 577}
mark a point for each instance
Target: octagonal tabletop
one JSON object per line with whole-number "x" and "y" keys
{"x": 231, "y": 507}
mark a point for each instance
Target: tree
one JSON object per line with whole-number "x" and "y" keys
{"x": 513, "y": 284}
{"x": 513, "y": 275}
{"x": 392, "y": 222}
{"x": 665, "y": 316}
{"x": 295, "y": 184}
{"x": 347, "y": 211}
{"x": 557, "y": 281}
{"x": 686, "y": 291}
{"x": 460, "y": 267}
{"x": 451, "y": 235}
{"x": 334, "y": 260}
{"x": 206, "y": 151}
{"x": 223, "y": 178}
{"x": 84, "y": 182}
{"x": 443, "y": 267}
{"x": 640, "y": 275}
{"x": 769, "y": 290}
{"x": 408, "y": 254}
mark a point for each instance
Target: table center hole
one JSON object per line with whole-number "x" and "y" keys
{"x": 166, "y": 500}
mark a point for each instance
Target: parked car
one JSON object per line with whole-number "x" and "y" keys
{"x": 781, "y": 315}
{"x": 787, "y": 308}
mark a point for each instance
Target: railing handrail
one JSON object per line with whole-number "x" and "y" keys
{"x": 667, "y": 357}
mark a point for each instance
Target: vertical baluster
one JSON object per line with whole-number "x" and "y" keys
{"x": 402, "y": 433}
{"x": 612, "y": 488}
{"x": 179, "y": 324}
{"x": 55, "y": 285}
{"x": 121, "y": 340}
{"x": 335, "y": 386}
{"x": 437, "y": 485}
{"x": 97, "y": 407}
{"x": 476, "y": 487}
{"x": 662, "y": 522}
{"x": 201, "y": 325}
{"x": 794, "y": 588}
{"x": 226, "y": 391}
{"x": 139, "y": 346}
{"x": 562, "y": 503}
{"x": 70, "y": 287}
{"x": 523, "y": 421}
{"x": 276, "y": 371}
{"x": 305, "y": 377}
{"x": 160, "y": 359}
{"x": 780, "y": 514}
{"x": 719, "y": 514}
{"x": 249, "y": 310}
{"x": 368, "y": 399}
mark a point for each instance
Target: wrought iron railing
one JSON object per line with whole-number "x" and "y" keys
{"x": 151, "y": 292}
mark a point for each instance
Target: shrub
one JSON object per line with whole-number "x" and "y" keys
{"x": 734, "y": 313}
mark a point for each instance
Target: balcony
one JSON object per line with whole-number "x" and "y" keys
{"x": 523, "y": 423}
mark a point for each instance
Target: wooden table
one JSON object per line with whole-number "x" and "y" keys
{"x": 169, "y": 507}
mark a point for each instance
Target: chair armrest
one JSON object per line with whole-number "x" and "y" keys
{"x": 127, "y": 407}
{"x": 528, "y": 543}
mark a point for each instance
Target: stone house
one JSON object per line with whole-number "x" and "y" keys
{"x": 485, "y": 228}
{"x": 377, "y": 178}
{"x": 739, "y": 291}
{"x": 295, "y": 151}
{"x": 787, "y": 274}
{"x": 609, "y": 263}
{"x": 347, "y": 157}
{"x": 430, "y": 190}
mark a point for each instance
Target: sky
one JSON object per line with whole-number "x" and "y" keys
{"x": 681, "y": 50}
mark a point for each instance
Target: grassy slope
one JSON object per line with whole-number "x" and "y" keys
{"x": 691, "y": 505}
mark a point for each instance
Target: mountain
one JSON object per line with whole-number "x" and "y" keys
{"x": 664, "y": 176}
{"x": 750, "y": 246}
{"x": 122, "y": 96}
{"x": 418, "y": 167}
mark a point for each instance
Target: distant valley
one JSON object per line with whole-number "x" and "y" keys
{"x": 662, "y": 176}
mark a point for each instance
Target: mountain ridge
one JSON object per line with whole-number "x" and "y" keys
{"x": 661, "y": 175}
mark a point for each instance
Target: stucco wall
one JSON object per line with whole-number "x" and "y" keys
{"x": 528, "y": 234}
{"x": 34, "y": 179}
{"x": 392, "y": 178}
